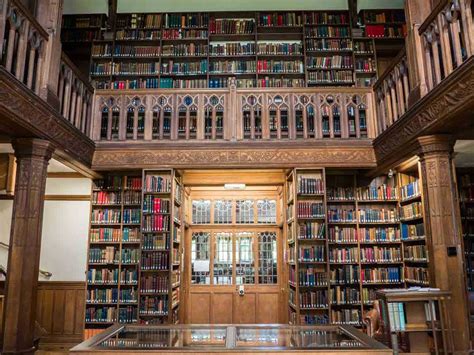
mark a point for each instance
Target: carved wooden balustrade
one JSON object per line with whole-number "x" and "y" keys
{"x": 447, "y": 39}
{"x": 233, "y": 114}
{"x": 391, "y": 92}
{"x": 75, "y": 96}
{"x": 22, "y": 44}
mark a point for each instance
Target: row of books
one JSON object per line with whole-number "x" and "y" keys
{"x": 410, "y": 190}
{"x": 333, "y": 62}
{"x": 152, "y": 204}
{"x": 232, "y": 49}
{"x": 340, "y": 193}
{"x": 80, "y": 36}
{"x": 286, "y": 19}
{"x": 110, "y": 183}
{"x": 82, "y": 21}
{"x": 102, "y": 276}
{"x": 131, "y": 216}
{"x": 344, "y": 295}
{"x": 381, "y": 275}
{"x": 326, "y": 45}
{"x": 315, "y": 253}
{"x": 314, "y": 299}
{"x": 348, "y": 274}
{"x": 311, "y": 319}
{"x": 186, "y": 20}
{"x": 310, "y": 186}
{"x": 156, "y": 223}
{"x": 379, "y": 235}
{"x": 341, "y": 215}
{"x": 155, "y": 242}
{"x": 380, "y": 255}
{"x": 364, "y": 47}
{"x": 418, "y": 275}
{"x": 331, "y": 77}
{"x": 137, "y": 35}
{"x": 231, "y": 26}
{"x": 154, "y": 284}
{"x": 308, "y": 276}
{"x": 130, "y": 256}
{"x": 132, "y": 197}
{"x": 106, "y": 198}
{"x": 233, "y": 66}
{"x": 412, "y": 231}
{"x": 343, "y": 255}
{"x": 136, "y": 51}
{"x": 105, "y": 235}
{"x": 108, "y": 254}
{"x": 375, "y": 215}
{"x": 342, "y": 235}
{"x": 416, "y": 253}
{"x": 173, "y": 34}
{"x": 158, "y": 260}
{"x": 413, "y": 210}
{"x": 382, "y": 192}
{"x": 384, "y": 16}
{"x": 379, "y": 31}
{"x": 172, "y": 67}
{"x": 326, "y": 18}
{"x": 157, "y": 183}
{"x": 310, "y": 209}
{"x": 107, "y": 295}
{"x": 280, "y": 66}
{"x": 311, "y": 230}
{"x": 138, "y": 21}
{"x": 105, "y": 216}
{"x": 185, "y": 50}
{"x": 365, "y": 65}
{"x": 154, "y": 305}
{"x": 346, "y": 316}
{"x": 101, "y": 314}
{"x": 327, "y": 31}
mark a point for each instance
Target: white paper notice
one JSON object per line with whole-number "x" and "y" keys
{"x": 201, "y": 265}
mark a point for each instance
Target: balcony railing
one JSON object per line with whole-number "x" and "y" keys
{"x": 22, "y": 53}
{"x": 233, "y": 114}
{"x": 75, "y": 96}
{"x": 447, "y": 39}
{"x": 391, "y": 93}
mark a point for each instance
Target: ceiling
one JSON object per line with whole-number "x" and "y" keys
{"x": 127, "y": 6}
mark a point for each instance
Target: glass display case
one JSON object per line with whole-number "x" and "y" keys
{"x": 231, "y": 338}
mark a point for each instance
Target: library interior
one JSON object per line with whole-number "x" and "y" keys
{"x": 265, "y": 176}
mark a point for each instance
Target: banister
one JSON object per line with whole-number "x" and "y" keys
{"x": 25, "y": 12}
{"x": 398, "y": 58}
{"x": 434, "y": 13}
{"x": 76, "y": 71}
{"x": 42, "y": 272}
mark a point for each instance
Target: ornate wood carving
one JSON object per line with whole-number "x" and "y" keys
{"x": 441, "y": 222}
{"x": 434, "y": 110}
{"x": 25, "y": 244}
{"x": 355, "y": 155}
{"x": 26, "y": 110}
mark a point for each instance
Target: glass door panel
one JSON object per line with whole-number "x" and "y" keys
{"x": 223, "y": 258}
{"x": 200, "y": 258}
{"x": 244, "y": 258}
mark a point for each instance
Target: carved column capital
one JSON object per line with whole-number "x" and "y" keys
{"x": 435, "y": 144}
{"x": 33, "y": 147}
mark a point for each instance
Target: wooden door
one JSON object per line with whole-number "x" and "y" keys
{"x": 223, "y": 260}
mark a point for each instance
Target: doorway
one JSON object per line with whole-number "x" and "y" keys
{"x": 233, "y": 253}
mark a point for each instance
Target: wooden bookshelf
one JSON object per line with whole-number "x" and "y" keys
{"x": 259, "y": 49}
{"x": 465, "y": 180}
{"x": 384, "y": 24}
{"x": 113, "y": 253}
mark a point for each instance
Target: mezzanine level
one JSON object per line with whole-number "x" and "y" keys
{"x": 425, "y": 90}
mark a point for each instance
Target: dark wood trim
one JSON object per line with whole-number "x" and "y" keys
{"x": 446, "y": 109}
{"x": 67, "y": 197}
{"x": 65, "y": 175}
{"x": 26, "y": 114}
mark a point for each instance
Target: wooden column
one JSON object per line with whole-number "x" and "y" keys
{"x": 444, "y": 236}
{"x": 25, "y": 243}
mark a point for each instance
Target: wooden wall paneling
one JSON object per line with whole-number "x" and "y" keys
{"x": 60, "y": 311}
{"x": 200, "y": 308}
{"x": 244, "y": 308}
{"x": 265, "y": 308}
{"x": 222, "y": 306}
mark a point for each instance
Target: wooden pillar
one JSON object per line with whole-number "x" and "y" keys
{"x": 444, "y": 236}
{"x": 25, "y": 243}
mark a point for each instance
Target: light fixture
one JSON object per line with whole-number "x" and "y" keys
{"x": 234, "y": 186}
